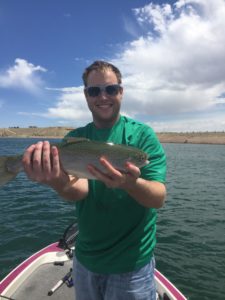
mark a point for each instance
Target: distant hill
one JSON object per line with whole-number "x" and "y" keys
{"x": 33, "y": 131}
{"x": 164, "y": 137}
{"x": 193, "y": 137}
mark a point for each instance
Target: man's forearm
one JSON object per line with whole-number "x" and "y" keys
{"x": 71, "y": 188}
{"x": 147, "y": 193}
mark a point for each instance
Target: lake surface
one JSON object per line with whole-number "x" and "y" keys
{"x": 191, "y": 225}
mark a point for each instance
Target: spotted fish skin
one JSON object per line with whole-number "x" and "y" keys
{"x": 76, "y": 154}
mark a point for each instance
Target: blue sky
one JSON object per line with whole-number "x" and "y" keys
{"x": 171, "y": 54}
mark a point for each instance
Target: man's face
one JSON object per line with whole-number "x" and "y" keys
{"x": 105, "y": 108}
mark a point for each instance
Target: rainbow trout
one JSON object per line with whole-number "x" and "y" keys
{"x": 76, "y": 153}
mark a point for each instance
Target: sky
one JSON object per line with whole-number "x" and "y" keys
{"x": 171, "y": 55}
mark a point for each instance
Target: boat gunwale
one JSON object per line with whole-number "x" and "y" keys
{"x": 18, "y": 271}
{"x": 170, "y": 288}
{"x": 13, "y": 279}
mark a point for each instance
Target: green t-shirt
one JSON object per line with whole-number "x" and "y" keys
{"x": 116, "y": 234}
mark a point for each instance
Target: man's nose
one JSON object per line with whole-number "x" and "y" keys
{"x": 103, "y": 94}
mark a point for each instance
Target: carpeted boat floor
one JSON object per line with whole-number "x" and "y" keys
{"x": 43, "y": 280}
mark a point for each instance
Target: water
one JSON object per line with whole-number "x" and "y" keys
{"x": 191, "y": 226}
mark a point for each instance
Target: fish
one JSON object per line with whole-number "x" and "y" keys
{"x": 76, "y": 154}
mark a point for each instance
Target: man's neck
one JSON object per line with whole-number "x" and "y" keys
{"x": 105, "y": 124}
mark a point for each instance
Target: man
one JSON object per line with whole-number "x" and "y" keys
{"x": 117, "y": 212}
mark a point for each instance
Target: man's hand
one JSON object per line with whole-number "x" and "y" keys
{"x": 41, "y": 163}
{"x": 148, "y": 193}
{"x": 113, "y": 178}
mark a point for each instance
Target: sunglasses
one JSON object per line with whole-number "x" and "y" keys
{"x": 111, "y": 90}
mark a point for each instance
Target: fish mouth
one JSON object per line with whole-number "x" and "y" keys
{"x": 146, "y": 162}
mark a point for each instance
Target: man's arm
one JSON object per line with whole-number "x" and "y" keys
{"x": 147, "y": 193}
{"x": 41, "y": 163}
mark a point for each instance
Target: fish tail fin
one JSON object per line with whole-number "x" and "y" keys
{"x": 5, "y": 173}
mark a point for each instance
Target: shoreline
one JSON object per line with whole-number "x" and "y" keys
{"x": 214, "y": 138}
{"x": 164, "y": 137}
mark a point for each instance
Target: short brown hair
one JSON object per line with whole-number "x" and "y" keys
{"x": 100, "y": 65}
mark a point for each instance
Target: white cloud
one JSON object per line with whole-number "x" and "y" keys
{"x": 71, "y": 106}
{"x": 158, "y": 16}
{"x": 23, "y": 75}
{"x": 130, "y": 26}
{"x": 175, "y": 67}
{"x": 192, "y": 124}
{"x": 178, "y": 66}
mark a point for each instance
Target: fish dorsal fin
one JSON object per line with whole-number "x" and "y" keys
{"x": 73, "y": 140}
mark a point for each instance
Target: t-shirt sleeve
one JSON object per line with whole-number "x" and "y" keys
{"x": 149, "y": 143}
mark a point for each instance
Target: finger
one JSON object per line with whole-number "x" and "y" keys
{"x": 96, "y": 172}
{"x": 46, "y": 159}
{"x": 55, "y": 160}
{"x": 37, "y": 157}
{"x": 110, "y": 170}
{"x": 99, "y": 174}
{"x": 116, "y": 178}
{"x": 112, "y": 180}
{"x": 132, "y": 170}
{"x": 27, "y": 159}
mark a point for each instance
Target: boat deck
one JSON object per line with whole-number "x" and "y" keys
{"x": 42, "y": 280}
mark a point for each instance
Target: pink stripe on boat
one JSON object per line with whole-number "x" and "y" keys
{"x": 169, "y": 286}
{"x": 51, "y": 248}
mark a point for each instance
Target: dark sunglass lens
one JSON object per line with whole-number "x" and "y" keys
{"x": 112, "y": 89}
{"x": 93, "y": 91}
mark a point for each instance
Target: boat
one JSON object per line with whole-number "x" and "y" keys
{"x": 48, "y": 273}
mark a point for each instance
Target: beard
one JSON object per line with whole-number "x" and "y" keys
{"x": 105, "y": 116}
